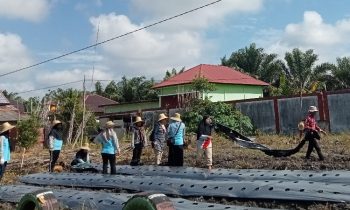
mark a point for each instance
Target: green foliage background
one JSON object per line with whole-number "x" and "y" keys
{"x": 28, "y": 131}
{"x": 221, "y": 112}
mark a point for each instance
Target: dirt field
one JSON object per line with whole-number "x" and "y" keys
{"x": 226, "y": 155}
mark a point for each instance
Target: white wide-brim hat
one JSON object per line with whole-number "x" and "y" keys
{"x": 313, "y": 109}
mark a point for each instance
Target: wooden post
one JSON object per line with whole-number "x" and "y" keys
{"x": 24, "y": 151}
{"x": 83, "y": 125}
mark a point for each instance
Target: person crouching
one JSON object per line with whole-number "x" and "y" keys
{"x": 82, "y": 156}
{"x": 138, "y": 141}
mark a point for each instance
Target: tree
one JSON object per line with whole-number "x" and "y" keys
{"x": 222, "y": 113}
{"x": 282, "y": 89}
{"x": 70, "y": 103}
{"x": 111, "y": 91}
{"x": 201, "y": 85}
{"x": 32, "y": 104}
{"x": 256, "y": 62}
{"x": 99, "y": 89}
{"x": 28, "y": 133}
{"x": 172, "y": 73}
{"x": 12, "y": 96}
{"x": 302, "y": 73}
{"x": 128, "y": 90}
{"x": 136, "y": 89}
{"x": 144, "y": 90}
{"x": 341, "y": 73}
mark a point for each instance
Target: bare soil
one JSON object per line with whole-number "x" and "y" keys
{"x": 226, "y": 154}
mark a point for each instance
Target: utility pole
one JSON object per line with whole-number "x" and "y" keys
{"x": 93, "y": 64}
{"x": 83, "y": 126}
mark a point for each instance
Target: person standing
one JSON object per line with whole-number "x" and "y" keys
{"x": 5, "y": 155}
{"x": 176, "y": 136}
{"x": 110, "y": 147}
{"x": 158, "y": 141}
{"x": 312, "y": 130}
{"x": 138, "y": 141}
{"x": 204, "y": 141}
{"x": 55, "y": 143}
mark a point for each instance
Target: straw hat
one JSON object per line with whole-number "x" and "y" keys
{"x": 110, "y": 124}
{"x": 301, "y": 126}
{"x": 85, "y": 146}
{"x": 313, "y": 109}
{"x": 177, "y": 117}
{"x": 58, "y": 169}
{"x": 55, "y": 122}
{"x": 139, "y": 119}
{"x": 162, "y": 117}
{"x": 5, "y": 127}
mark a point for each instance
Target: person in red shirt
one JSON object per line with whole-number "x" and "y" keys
{"x": 312, "y": 131}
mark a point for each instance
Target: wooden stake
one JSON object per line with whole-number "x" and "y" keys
{"x": 24, "y": 151}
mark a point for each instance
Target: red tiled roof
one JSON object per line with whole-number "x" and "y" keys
{"x": 214, "y": 73}
{"x": 93, "y": 102}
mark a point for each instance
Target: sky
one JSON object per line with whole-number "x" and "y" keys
{"x": 37, "y": 30}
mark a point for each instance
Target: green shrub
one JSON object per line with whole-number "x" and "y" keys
{"x": 221, "y": 112}
{"x": 28, "y": 132}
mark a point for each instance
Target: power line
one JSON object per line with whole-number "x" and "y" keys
{"x": 111, "y": 39}
{"x": 54, "y": 86}
{"x": 63, "y": 84}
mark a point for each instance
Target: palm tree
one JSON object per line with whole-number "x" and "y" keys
{"x": 302, "y": 72}
{"x": 256, "y": 62}
{"x": 341, "y": 73}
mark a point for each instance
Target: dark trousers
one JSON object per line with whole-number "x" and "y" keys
{"x": 2, "y": 169}
{"x": 314, "y": 144}
{"x": 136, "y": 154}
{"x": 53, "y": 159}
{"x": 176, "y": 155}
{"x": 111, "y": 159}
{"x": 312, "y": 137}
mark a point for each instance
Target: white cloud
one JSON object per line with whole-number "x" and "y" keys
{"x": 13, "y": 53}
{"x": 328, "y": 40}
{"x": 157, "y": 9}
{"x": 146, "y": 53}
{"x": 57, "y": 77}
{"x": 33, "y": 10}
{"x": 176, "y": 43}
